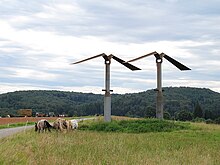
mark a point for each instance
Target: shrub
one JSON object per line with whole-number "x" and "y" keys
{"x": 184, "y": 115}
{"x": 217, "y": 120}
{"x": 209, "y": 121}
{"x": 136, "y": 126}
{"x": 166, "y": 115}
{"x": 199, "y": 120}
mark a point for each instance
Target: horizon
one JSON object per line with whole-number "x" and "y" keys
{"x": 102, "y": 93}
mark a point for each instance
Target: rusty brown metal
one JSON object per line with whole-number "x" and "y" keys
{"x": 175, "y": 62}
{"x": 135, "y": 59}
{"x": 126, "y": 64}
{"x": 99, "y": 55}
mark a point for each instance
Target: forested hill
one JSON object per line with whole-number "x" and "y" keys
{"x": 136, "y": 104}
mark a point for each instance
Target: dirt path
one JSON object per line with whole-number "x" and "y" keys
{"x": 10, "y": 131}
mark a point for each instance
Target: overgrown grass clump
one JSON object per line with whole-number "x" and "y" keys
{"x": 136, "y": 126}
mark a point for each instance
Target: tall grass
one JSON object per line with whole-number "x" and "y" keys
{"x": 188, "y": 146}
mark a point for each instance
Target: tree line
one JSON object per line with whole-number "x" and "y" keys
{"x": 181, "y": 103}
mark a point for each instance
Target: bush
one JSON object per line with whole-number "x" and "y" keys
{"x": 217, "y": 120}
{"x": 209, "y": 121}
{"x": 184, "y": 116}
{"x": 167, "y": 115}
{"x": 198, "y": 120}
{"x": 136, "y": 126}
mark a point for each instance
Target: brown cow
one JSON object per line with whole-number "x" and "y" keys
{"x": 60, "y": 124}
{"x": 42, "y": 125}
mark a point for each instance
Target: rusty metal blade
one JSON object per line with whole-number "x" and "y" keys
{"x": 152, "y": 53}
{"x": 103, "y": 54}
{"x": 176, "y": 63}
{"x": 126, "y": 64}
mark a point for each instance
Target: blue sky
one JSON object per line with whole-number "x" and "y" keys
{"x": 39, "y": 39}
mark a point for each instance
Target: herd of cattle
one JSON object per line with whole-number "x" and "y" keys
{"x": 59, "y": 124}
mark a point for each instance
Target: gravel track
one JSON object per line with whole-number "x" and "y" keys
{"x": 10, "y": 131}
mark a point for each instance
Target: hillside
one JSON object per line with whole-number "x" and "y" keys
{"x": 136, "y": 104}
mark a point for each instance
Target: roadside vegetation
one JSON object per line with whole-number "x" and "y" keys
{"x": 184, "y": 143}
{"x": 16, "y": 125}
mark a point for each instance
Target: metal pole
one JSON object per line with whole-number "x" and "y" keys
{"x": 107, "y": 98}
{"x": 159, "y": 104}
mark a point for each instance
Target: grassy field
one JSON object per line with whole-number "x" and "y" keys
{"x": 198, "y": 144}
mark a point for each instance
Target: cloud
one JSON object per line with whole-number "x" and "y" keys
{"x": 39, "y": 40}
{"x": 143, "y": 21}
{"x": 32, "y": 74}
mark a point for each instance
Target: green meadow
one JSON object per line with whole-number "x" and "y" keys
{"x": 119, "y": 142}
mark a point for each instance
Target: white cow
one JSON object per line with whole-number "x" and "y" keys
{"x": 74, "y": 123}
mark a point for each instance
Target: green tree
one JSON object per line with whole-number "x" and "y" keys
{"x": 150, "y": 112}
{"x": 166, "y": 115}
{"x": 198, "y": 112}
{"x": 208, "y": 114}
{"x": 184, "y": 115}
{"x": 133, "y": 104}
{"x": 217, "y": 120}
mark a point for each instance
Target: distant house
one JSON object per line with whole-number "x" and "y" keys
{"x": 62, "y": 115}
{"x": 40, "y": 114}
{"x": 51, "y": 114}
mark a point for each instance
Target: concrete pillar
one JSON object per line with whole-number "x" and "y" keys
{"x": 159, "y": 102}
{"x": 107, "y": 98}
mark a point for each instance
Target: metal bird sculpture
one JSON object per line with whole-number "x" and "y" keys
{"x": 107, "y": 97}
{"x": 159, "y": 60}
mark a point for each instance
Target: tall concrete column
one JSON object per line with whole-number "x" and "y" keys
{"x": 107, "y": 98}
{"x": 159, "y": 103}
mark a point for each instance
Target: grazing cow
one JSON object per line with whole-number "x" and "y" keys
{"x": 74, "y": 123}
{"x": 42, "y": 125}
{"x": 69, "y": 125}
{"x": 60, "y": 124}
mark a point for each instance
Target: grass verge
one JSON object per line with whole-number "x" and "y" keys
{"x": 16, "y": 125}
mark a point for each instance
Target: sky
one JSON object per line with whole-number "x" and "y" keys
{"x": 40, "y": 39}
